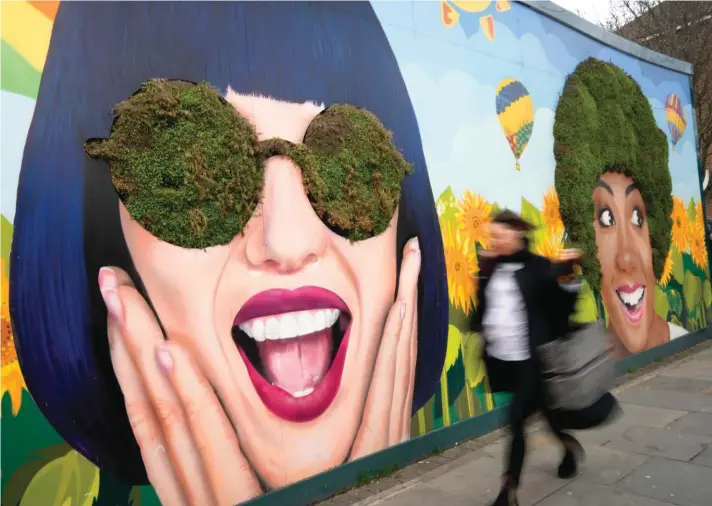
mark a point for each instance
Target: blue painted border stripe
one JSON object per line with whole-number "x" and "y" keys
{"x": 329, "y": 483}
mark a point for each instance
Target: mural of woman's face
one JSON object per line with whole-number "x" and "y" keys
{"x": 624, "y": 251}
{"x": 286, "y": 306}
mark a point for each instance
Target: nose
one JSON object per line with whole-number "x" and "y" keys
{"x": 625, "y": 253}
{"x": 288, "y": 236}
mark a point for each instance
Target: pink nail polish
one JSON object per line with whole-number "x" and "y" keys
{"x": 415, "y": 245}
{"x": 402, "y": 310}
{"x": 164, "y": 359}
{"x": 107, "y": 287}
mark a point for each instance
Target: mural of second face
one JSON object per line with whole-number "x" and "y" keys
{"x": 227, "y": 266}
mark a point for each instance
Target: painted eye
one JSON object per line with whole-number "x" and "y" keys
{"x": 605, "y": 218}
{"x": 637, "y": 218}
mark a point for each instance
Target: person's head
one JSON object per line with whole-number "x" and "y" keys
{"x": 507, "y": 233}
{"x": 279, "y": 65}
{"x": 615, "y": 192}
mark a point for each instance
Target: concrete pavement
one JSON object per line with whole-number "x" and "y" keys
{"x": 658, "y": 454}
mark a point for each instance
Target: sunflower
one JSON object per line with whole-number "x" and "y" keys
{"x": 699, "y": 214}
{"x": 680, "y": 226}
{"x": 462, "y": 268}
{"x": 696, "y": 238}
{"x": 667, "y": 269}
{"x": 473, "y": 215}
{"x": 12, "y": 380}
{"x": 550, "y": 210}
{"x": 551, "y": 245}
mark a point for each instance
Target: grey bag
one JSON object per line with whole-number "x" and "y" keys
{"x": 579, "y": 368}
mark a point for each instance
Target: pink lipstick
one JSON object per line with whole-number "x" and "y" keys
{"x": 294, "y": 345}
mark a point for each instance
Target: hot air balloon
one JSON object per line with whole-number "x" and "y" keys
{"x": 515, "y": 111}
{"x": 675, "y": 118}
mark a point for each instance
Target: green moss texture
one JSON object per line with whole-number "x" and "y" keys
{"x": 189, "y": 168}
{"x": 184, "y": 163}
{"x": 604, "y": 123}
{"x": 352, "y": 171}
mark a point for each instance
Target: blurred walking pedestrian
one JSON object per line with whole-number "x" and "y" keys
{"x": 525, "y": 301}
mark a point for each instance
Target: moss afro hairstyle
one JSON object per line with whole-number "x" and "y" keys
{"x": 183, "y": 162}
{"x": 604, "y": 123}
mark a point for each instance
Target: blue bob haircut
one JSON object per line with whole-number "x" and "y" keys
{"x": 67, "y": 223}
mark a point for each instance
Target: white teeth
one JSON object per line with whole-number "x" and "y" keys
{"x": 632, "y": 298}
{"x": 290, "y": 325}
{"x": 303, "y": 393}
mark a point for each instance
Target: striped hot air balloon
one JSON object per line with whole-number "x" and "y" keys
{"x": 515, "y": 111}
{"x": 675, "y": 117}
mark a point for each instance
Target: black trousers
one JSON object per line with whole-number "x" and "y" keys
{"x": 528, "y": 398}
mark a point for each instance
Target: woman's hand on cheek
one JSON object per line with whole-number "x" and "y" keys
{"x": 190, "y": 450}
{"x": 387, "y": 413}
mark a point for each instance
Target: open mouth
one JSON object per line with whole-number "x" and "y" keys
{"x": 631, "y": 298}
{"x": 294, "y": 345}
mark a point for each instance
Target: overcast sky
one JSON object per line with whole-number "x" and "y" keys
{"x": 593, "y": 10}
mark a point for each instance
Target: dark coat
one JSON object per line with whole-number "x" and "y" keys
{"x": 549, "y": 308}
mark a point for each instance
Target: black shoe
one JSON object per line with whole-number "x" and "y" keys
{"x": 569, "y": 464}
{"x": 507, "y": 497}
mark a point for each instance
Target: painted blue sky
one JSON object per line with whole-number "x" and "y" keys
{"x": 452, "y": 80}
{"x": 452, "y": 74}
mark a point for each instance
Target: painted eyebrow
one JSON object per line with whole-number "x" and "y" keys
{"x": 604, "y": 185}
{"x": 630, "y": 189}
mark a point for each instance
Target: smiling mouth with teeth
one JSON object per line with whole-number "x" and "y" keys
{"x": 631, "y": 298}
{"x": 294, "y": 343}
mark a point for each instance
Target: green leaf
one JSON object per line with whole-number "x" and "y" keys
{"x": 692, "y": 290}
{"x": 675, "y": 321}
{"x": 675, "y": 301}
{"x": 662, "y": 306}
{"x": 446, "y": 205}
{"x": 69, "y": 480}
{"x": 707, "y": 293}
{"x": 5, "y": 241}
{"x": 531, "y": 214}
{"x": 453, "y": 346}
{"x": 692, "y": 210}
{"x": 585, "y": 305}
{"x": 678, "y": 268}
{"x": 474, "y": 368}
{"x": 495, "y": 209}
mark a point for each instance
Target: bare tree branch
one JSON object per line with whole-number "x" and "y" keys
{"x": 682, "y": 30}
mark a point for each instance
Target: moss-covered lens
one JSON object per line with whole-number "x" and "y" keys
{"x": 185, "y": 164}
{"x": 352, "y": 171}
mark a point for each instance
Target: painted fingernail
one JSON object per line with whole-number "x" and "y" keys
{"x": 164, "y": 359}
{"x": 414, "y": 245}
{"x": 402, "y": 310}
{"x": 107, "y": 287}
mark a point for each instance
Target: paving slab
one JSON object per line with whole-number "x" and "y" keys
{"x": 664, "y": 399}
{"x": 676, "y": 384}
{"x": 694, "y": 423}
{"x": 649, "y": 416}
{"x": 601, "y": 465}
{"x": 426, "y": 494}
{"x": 482, "y": 477}
{"x": 680, "y": 483}
{"x": 699, "y": 368}
{"x": 660, "y": 443}
{"x": 581, "y": 493}
{"x": 704, "y": 459}
{"x": 602, "y": 435}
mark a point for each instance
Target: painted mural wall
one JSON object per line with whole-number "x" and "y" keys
{"x": 312, "y": 274}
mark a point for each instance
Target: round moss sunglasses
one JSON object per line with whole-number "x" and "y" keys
{"x": 189, "y": 168}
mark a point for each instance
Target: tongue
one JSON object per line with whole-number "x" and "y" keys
{"x": 297, "y": 364}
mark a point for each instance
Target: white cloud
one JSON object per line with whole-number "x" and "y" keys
{"x": 15, "y": 118}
